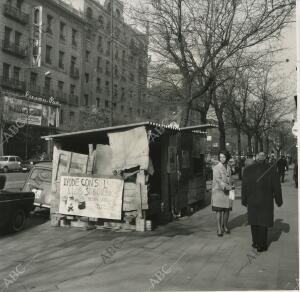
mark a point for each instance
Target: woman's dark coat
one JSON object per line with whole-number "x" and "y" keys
{"x": 260, "y": 186}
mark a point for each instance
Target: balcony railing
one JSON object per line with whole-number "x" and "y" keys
{"x": 12, "y": 83}
{"x": 13, "y": 49}
{"x": 15, "y": 13}
{"x": 73, "y": 99}
{"x": 74, "y": 72}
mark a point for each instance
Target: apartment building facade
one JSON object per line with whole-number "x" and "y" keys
{"x": 63, "y": 69}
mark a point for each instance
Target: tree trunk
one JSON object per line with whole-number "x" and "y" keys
{"x": 222, "y": 135}
{"x": 267, "y": 145}
{"x": 249, "y": 137}
{"x": 261, "y": 144}
{"x": 239, "y": 142}
{"x": 256, "y": 143}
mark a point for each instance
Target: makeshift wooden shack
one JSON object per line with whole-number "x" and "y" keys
{"x": 127, "y": 175}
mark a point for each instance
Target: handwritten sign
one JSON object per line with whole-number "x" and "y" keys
{"x": 91, "y": 197}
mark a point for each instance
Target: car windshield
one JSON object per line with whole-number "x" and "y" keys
{"x": 3, "y": 158}
{"x": 41, "y": 175}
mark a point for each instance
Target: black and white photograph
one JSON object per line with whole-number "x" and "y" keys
{"x": 149, "y": 145}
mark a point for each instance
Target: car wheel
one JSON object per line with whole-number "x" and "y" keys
{"x": 17, "y": 220}
{"x": 5, "y": 169}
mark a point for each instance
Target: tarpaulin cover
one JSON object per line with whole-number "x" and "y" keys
{"x": 129, "y": 149}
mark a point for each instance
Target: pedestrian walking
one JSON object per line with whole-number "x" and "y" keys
{"x": 260, "y": 185}
{"x": 221, "y": 185}
{"x": 282, "y": 166}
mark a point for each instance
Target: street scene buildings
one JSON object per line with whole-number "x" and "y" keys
{"x": 148, "y": 145}
{"x": 76, "y": 68}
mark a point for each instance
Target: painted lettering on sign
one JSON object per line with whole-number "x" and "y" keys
{"x": 91, "y": 197}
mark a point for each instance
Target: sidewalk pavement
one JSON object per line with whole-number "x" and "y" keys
{"x": 185, "y": 255}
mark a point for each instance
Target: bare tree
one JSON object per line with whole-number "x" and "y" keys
{"x": 197, "y": 39}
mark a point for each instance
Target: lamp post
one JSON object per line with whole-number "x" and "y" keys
{"x": 47, "y": 73}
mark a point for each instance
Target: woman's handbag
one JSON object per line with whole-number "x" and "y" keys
{"x": 231, "y": 195}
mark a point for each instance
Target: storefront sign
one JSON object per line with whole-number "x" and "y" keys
{"x": 91, "y": 197}
{"x": 34, "y": 113}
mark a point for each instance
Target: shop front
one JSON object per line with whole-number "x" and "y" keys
{"x": 24, "y": 120}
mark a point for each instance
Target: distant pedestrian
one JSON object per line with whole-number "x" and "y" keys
{"x": 260, "y": 185}
{"x": 250, "y": 160}
{"x": 272, "y": 158}
{"x": 221, "y": 185}
{"x": 282, "y": 166}
{"x": 295, "y": 174}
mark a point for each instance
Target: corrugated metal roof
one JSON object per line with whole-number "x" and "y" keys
{"x": 128, "y": 126}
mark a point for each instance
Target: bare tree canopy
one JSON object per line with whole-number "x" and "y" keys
{"x": 196, "y": 40}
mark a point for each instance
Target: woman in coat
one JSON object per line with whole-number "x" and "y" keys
{"x": 221, "y": 185}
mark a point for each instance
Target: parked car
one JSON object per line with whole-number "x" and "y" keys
{"x": 10, "y": 163}
{"x": 38, "y": 181}
{"x": 14, "y": 208}
{"x": 28, "y": 164}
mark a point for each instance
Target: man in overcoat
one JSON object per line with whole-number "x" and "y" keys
{"x": 260, "y": 186}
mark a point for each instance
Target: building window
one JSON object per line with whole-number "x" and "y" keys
{"x": 107, "y": 69}
{"x": 118, "y": 13}
{"x": 61, "y": 60}
{"x": 36, "y": 17}
{"x": 6, "y": 69}
{"x": 33, "y": 79}
{"x": 72, "y": 117}
{"x": 19, "y": 4}
{"x": 108, "y": 48}
{"x": 72, "y": 89}
{"x": 117, "y": 54}
{"x": 122, "y": 108}
{"x": 87, "y": 56}
{"x": 99, "y": 62}
{"x": 107, "y": 87}
{"x": 87, "y": 77}
{"x": 60, "y": 86}
{"x": 61, "y": 116}
{"x": 122, "y": 93}
{"x": 86, "y": 100}
{"x": 106, "y": 104}
{"x": 49, "y": 24}
{"x": 47, "y": 83}
{"x": 98, "y": 88}
{"x": 131, "y": 77}
{"x": 18, "y": 37}
{"x": 89, "y": 13}
{"x": 62, "y": 26}
{"x": 74, "y": 37}
{"x": 48, "y": 54}
{"x": 115, "y": 95}
{"x": 7, "y": 33}
{"x": 116, "y": 72}
{"x": 17, "y": 73}
{"x": 98, "y": 102}
{"x": 101, "y": 21}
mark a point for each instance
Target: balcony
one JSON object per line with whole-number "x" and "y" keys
{"x": 74, "y": 72}
{"x": 12, "y": 83}
{"x": 15, "y": 13}
{"x": 13, "y": 49}
{"x": 73, "y": 99}
{"x": 61, "y": 96}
